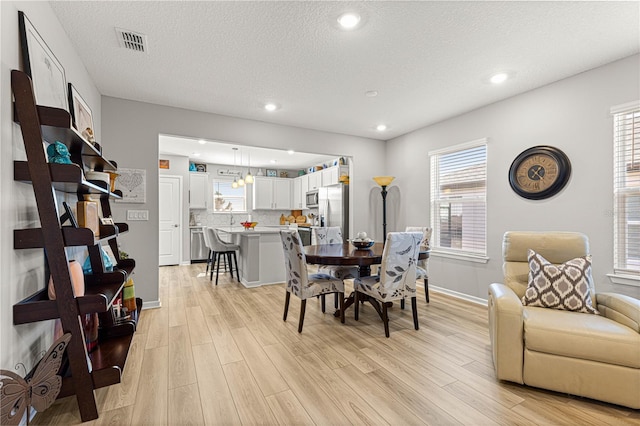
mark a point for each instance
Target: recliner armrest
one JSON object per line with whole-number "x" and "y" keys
{"x": 506, "y": 328}
{"x": 620, "y": 308}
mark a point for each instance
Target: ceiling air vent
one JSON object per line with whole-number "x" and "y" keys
{"x": 132, "y": 40}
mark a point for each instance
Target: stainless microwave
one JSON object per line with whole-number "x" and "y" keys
{"x": 312, "y": 199}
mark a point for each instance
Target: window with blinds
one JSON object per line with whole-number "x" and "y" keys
{"x": 626, "y": 188}
{"x": 227, "y": 199}
{"x": 458, "y": 198}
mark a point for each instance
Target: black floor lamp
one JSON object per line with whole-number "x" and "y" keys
{"x": 384, "y": 181}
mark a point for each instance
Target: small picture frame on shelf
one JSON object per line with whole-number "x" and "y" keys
{"x": 272, "y": 173}
{"x": 201, "y": 167}
{"x": 39, "y": 63}
{"x": 107, "y": 221}
{"x": 81, "y": 116}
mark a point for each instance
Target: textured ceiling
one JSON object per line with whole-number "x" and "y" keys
{"x": 428, "y": 60}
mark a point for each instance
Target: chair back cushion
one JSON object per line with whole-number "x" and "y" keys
{"x": 426, "y": 234}
{"x": 556, "y": 247}
{"x": 328, "y": 235}
{"x": 295, "y": 262}
{"x": 205, "y": 234}
{"x": 398, "y": 267}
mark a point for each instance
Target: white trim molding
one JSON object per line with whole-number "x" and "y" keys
{"x": 630, "y": 280}
{"x": 459, "y": 256}
{"x": 458, "y": 295}
{"x": 153, "y": 304}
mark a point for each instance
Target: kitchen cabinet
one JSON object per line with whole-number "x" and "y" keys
{"x": 315, "y": 180}
{"x": 198, "y": 190}
{"x": 300, "y": 187}
{"x": 331, "y": 175}
{"x": 272, "y": 193}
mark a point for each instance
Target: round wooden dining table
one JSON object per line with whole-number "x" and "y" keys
{"x": 346, "y": 254}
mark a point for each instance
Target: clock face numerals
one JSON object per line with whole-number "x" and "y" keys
{"x": 539, "y": 172}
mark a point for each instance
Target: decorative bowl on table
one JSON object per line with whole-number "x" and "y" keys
{"x": 249, "y": 225}
{"x": 362, "y": 244}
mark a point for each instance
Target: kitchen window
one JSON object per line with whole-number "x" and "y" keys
{"x": 458, "y": 201}
{"x": 227, "y": 199}
{"x": 626, "y": 189}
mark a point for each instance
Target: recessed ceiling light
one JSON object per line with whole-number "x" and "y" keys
{"x": 499, "y": 78}
{"x": 381, "y": 127}
{"x": 272, "y": 161}
{"x": 371, "y": 93}
{"x": 270, "y": 107}
{"x": 196, "y": 154}
{"x": 349, "y": 21}
{"x": 290, "y": 152}
{"x": 202, "y": 141}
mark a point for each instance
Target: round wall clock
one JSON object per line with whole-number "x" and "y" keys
{"x": 539, "y": 172}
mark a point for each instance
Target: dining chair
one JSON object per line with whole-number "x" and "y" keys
{"x": 333, "y": 235}
{"x": 421, "y": 267}
{"x": 300, "y": 282}
{"x": 209, "y": 252}
{"x": 396, "y": 278}
{"x": 221, "y": 249}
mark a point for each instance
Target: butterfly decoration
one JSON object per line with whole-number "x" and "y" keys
{"x": 39, "y": 389}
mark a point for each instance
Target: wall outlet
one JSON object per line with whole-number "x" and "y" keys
{"x": 137, "y": 214}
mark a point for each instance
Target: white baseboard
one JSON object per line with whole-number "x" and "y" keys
{"x": 154, "y": 304}
{"x": 458, "y": 295}
{"x": 185, "y": 263}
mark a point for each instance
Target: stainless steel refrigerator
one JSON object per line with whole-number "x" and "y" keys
{"x": 333, "y": 207}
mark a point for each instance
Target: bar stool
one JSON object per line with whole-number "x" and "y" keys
{"x": 220, "y": 248}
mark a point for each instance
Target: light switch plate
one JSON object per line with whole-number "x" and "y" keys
{"x": 137, "y": 214}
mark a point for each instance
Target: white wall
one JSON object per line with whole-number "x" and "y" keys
{"x": 22, "y": 271}
{"x": 573, "y": 115}
{"x": 130, "y": 130}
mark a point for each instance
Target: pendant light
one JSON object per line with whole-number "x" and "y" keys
{"x": 249, "y": 177}
{"x": 234, "y": 185}
{"x": 241, "y": 180}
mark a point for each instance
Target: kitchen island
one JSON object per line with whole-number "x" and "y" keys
{"x": 261, "y": 259}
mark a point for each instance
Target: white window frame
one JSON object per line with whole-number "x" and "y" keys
{"x": 624, "y": 273}
{"x": 436, "y": 201}
{"x": 218, "y": 179}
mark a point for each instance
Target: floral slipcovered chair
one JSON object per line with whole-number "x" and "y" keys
{"x": 397, "y": 277}
{"x": 300, "y": 282}
{"x": 421, "y": 267}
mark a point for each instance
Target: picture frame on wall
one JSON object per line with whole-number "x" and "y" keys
{"x": 39, "y": 63}
{"x": 81, "y": 115}
{"x": 272, "y": 173}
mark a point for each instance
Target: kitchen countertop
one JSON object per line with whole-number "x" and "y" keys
{"x": 256, "y": 230}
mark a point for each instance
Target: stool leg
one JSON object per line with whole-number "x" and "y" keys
{"x": 235, "y": 259}
{"x": 426, "y": 289}
{"x": 218, "y": 270}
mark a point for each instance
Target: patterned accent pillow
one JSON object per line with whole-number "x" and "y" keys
{"x": 565, "y": 287}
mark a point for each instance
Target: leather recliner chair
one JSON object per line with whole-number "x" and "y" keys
{"x": 595, "y": 356}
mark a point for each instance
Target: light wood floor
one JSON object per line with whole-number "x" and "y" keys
{"x": 222, "y": 355}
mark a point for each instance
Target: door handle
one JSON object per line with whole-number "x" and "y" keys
{"x": 175, "y": 226}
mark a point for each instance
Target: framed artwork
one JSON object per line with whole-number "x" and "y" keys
{"x": 81, "y": 116}
{"x": 133, "y": 184}
{"x": 39, "y": 62}
{"x": 164, "y": 164}
{"x": 272, "y": 173}
{"x": 201, "y": 167}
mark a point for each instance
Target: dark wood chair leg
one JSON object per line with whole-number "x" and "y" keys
{"x": 356, "y": 305}
{"x": 402, "y": 303}
{"x": 235, "y": 259}
{"x": 385, "y": 319}
{"x": 322, "y": 302}
{"x": 206, "y": 271}
{"x": 341, "y": 302}
{"x": 414, "y": 308}
{"x": 426, "y": 289}
{"x": 286, "y": 306}
{"x": 218, "y": 270}
{"x": 335, "y": 301}
{"x": 303, "y": 305}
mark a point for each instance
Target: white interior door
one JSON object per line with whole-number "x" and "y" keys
{"x": 170, "y": 209}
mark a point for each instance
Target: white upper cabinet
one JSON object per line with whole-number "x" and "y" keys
{"x": 272, "y": 193}
{"x": 315, "y": 180}
{"x": 198, "y": 190}
{"x": 300, "y": 188}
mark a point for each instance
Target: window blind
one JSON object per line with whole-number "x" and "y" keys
{"x": 227, "y": 199}
{"x": 626, "y": 188}
{"x": 458, "y": 198}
